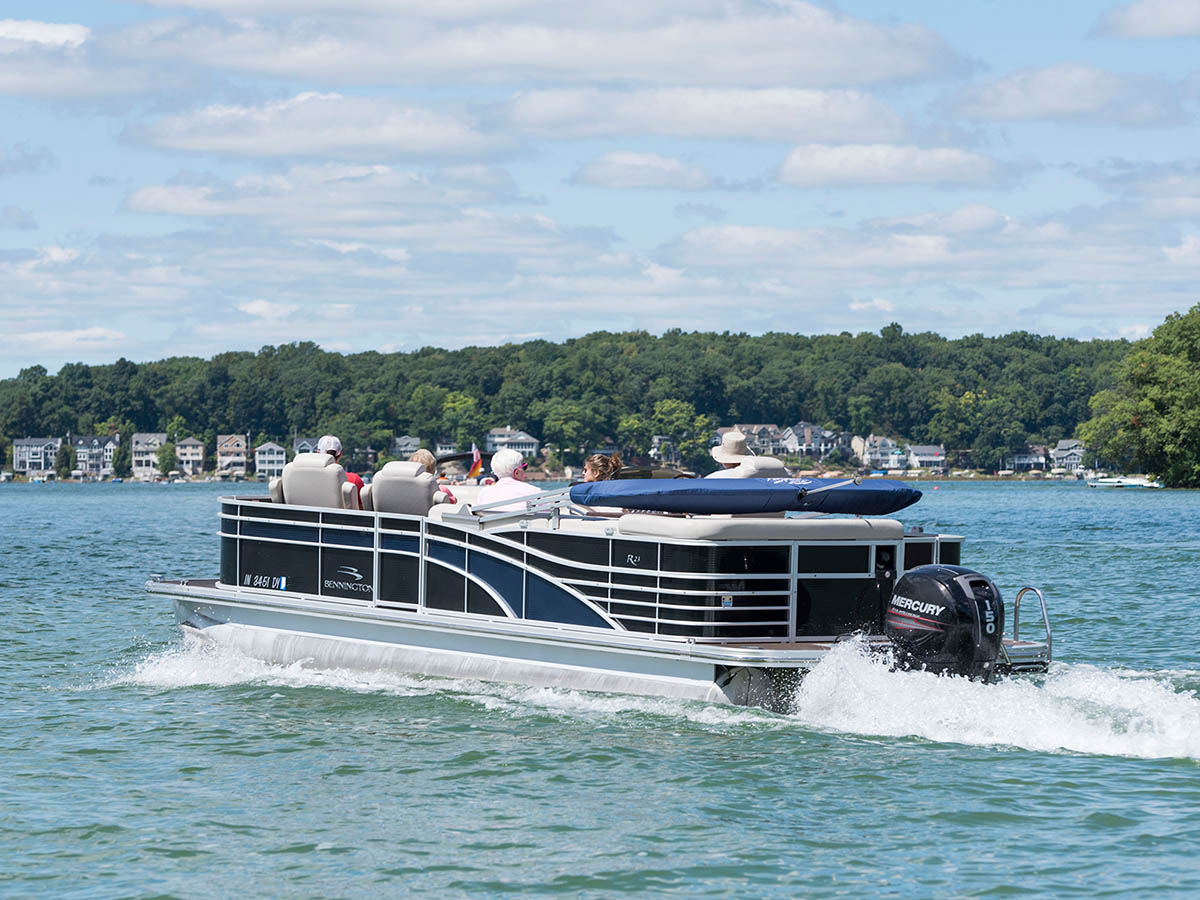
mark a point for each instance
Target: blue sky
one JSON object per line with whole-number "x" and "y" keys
{"x": 183, "y": 179}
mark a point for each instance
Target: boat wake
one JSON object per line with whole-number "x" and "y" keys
{"x": 1074, "y": 709}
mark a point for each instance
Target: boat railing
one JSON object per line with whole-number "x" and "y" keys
{"x": 553, "y": 503}
{"x": 1016, "y": 628}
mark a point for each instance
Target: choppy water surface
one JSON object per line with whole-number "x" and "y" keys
{"x": 137, "y": 764}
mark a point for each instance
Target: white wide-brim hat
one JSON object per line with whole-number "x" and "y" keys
{"x": 732, "y": 448}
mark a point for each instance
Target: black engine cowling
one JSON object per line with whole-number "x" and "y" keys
{"x": 946, "y": 619}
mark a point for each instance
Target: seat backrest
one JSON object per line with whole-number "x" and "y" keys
{"x": 755, "y": 467}
{"x": 762, "y": 467}
{"x": 314, "y": 479}
{"x": 403, "y": 487}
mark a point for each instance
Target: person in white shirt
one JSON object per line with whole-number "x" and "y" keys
{"x": 509, "y": 468}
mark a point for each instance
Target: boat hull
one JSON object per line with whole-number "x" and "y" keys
{"x": 358, "y": 640}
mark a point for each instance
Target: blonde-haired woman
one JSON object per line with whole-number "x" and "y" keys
{"x": 425, "y": 458}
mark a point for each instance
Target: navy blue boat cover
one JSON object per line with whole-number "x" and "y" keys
{"x": 876, "y": 497}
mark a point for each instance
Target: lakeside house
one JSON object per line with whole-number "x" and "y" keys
{"x": 508, "y": 438}
{"x": 878, "y": 452}
{"x": 34, "y": 457}
{"x": 762, "y": 438}
{"x": 807, "y": 439}
{"x": 190, "y": 455}
{"x": 304, "y": 445}
{"x": 94, "y": 454}
{"x": 1033, "y": 457}
{"x": 1068, "y": 454}
{"x": 233, "y": 453}
{"x": 404, "y": 446}
{"x": 925, "y": 456}
{"x": 143, "y": 460}
{"x": 269, "y": 459}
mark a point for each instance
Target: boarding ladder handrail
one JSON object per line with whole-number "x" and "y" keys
{"x": 1016, "y": 629}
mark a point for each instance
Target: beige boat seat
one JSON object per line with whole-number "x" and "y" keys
{"x": 402, "y": 487}
{"x": 755, "y": 467}
{"x": 313, "y": 479}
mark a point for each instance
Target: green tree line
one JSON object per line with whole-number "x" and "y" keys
{"x": 981, "y": 397}
{"x": 1149, "y": 419}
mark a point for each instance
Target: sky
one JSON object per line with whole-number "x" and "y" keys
{"x": 186, "y": 179}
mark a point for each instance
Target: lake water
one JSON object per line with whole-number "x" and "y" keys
{"x": 135, "y": 764}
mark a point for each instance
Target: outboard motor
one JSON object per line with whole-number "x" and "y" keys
{"x": 946, "y": 619}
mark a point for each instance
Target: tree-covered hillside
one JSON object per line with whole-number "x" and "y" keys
{"x": 987, "y": 396}
{"x": 1150, "y": 419}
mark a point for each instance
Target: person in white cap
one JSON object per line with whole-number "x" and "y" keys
{"x": 331, "y": 445}
{"x": 509, "y": 468}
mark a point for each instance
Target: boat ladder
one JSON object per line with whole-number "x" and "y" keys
{"x": 1028, "y": 655}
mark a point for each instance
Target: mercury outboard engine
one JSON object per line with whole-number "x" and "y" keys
{"x": 946, "y": 619}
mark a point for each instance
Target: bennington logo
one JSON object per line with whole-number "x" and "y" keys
{"x": 357, "y": 584}
{"x": 917, "y": 606}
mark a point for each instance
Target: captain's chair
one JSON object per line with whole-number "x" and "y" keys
{"x": 755, "y": 467}
{"x": 402, "y": 487}
{"x": 314, "y": 479}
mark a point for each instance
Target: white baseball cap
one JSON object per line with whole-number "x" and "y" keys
{"x": 330, "y": 444}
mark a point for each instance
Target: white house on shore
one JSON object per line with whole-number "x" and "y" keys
{"x": 94, "y": 454}
{"x": 878, "y": 452}
{"x": 508, "y": 438}
{"x": 925, "y": 456}
{"x": 34, "y": 457}
{"x": 269, "y": 459}
{"x": 807, "y": 439}
{"x": 144, "y": 454}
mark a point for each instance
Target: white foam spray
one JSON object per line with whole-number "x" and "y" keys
{"x": 1075, "y": 708}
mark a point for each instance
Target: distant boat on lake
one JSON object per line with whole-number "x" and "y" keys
{"x": 1122, "y": 481}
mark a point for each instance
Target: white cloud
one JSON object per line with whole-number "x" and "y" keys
{"x": 265, "y": 309}
{"x": 821, "y": 165}
{"x": 623, "y": 169}
{"x": 1072, "y": 92}
{"x": 14, "y": 32}
{"x": 326, "y": 201}
{"x": 792, "y": 114}
{"x": 94, "y": 339}
{"x": 970, "y": 218}
{"x": 1159, "y": 191}
{"x": 738, "y": 43}
{"x": 877, "y": 304}
{"x": 44, "y": 59}
{"x": 1154, "y": 19}
{"x": 1187, "y": 253}
{"x": 312, "y": 124}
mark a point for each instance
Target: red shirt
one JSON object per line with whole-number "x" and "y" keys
{"x": 358, "y": 486}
